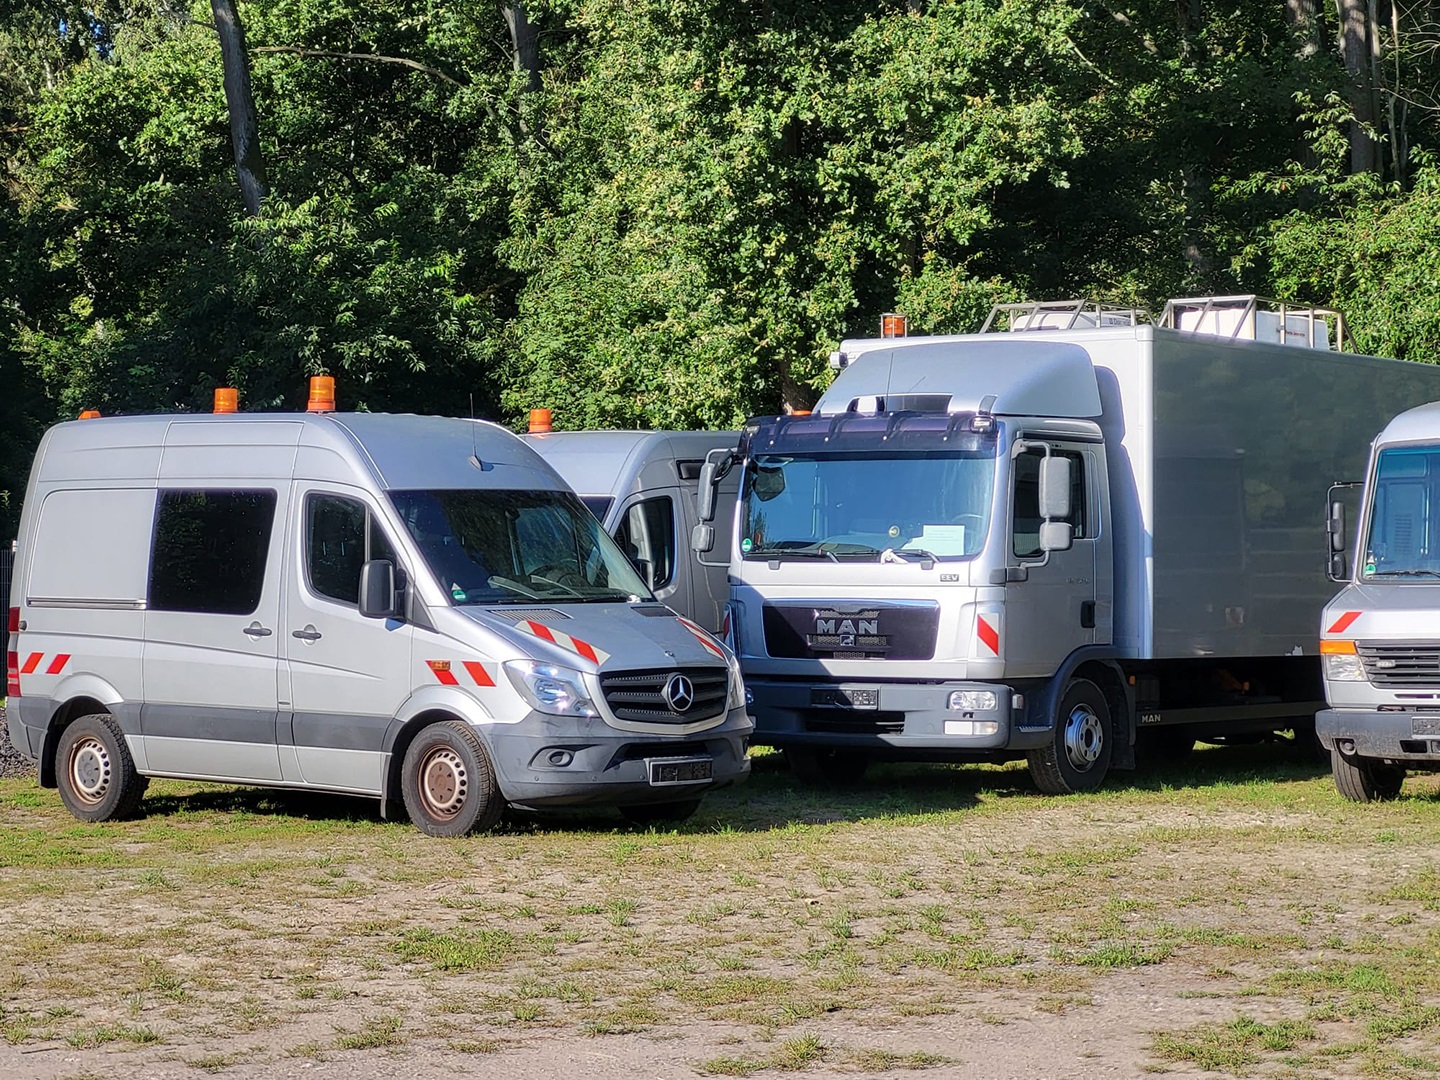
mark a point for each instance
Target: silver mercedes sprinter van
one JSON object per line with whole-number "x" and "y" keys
{"x": 411, "y": 608}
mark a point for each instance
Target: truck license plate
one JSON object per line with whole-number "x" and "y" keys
{"x": 1425, "y": 725}
{"x": 843, "y": 698}
{"x": 664, "y": 771}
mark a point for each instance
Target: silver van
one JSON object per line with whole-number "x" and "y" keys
{"x": 415, "y": 609}
{"x": 643, "y": 486}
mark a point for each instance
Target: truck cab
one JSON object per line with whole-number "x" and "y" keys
{"x": 1380, "y": 637}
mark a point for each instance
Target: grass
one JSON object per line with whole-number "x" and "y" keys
{"x": 249, "y": 926}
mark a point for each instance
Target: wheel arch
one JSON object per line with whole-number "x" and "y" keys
{"x": 1099, "y": 666}
{"x": 63, "y": 717}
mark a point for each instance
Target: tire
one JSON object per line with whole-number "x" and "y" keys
{"x": 660, "y": 813}
{"x": 826, "y": 766}
{"x": 448, "y": 782}
{"x": 1078, "y": 756}
{"x": 95, "y": 772}
{"x": 1365, "y": 779}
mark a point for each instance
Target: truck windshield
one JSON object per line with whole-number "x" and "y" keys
{"x": 1404, "y": 538}
{"x": 505, "y": 547}
{"x": 857, "y": 506}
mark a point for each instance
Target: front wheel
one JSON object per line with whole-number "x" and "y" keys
{"x": 1365, "y": 779}
{"x": 448, "y": 782}
{"x": 1077, "y": 757}
{"x": 95, "y": 772}
{"x": 826, "y": 766}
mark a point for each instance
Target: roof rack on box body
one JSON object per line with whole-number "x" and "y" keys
{"x": 1256, "y": 318}
{"x": 1060, "y": 315}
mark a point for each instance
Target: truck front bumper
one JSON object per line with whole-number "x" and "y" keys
{"x": 1368, "y": 733}
{"x": 892, "y": 719}
{"x": 552, "y": 761}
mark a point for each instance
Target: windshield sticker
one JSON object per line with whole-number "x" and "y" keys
{"x": 940, "y": 539}
{"x": 746, "y": 544}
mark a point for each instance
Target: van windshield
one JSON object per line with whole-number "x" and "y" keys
{"x": 505, "y": 547}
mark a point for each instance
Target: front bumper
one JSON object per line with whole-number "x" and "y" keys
{"x": 1400, "y": 736}
{"x": 907, "y": 719}
{"x": 556, "y": 761}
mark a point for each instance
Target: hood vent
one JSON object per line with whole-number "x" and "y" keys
{"x": 653, "y": 611}
{"x": 528, "y": 614}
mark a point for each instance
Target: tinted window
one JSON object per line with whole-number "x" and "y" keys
{"x": 599, "y": 505}
{"x": 210, "y": 549}
{"x": 647, "y": 535}
{"x": 1027, "y": 499}
{"x": 337, "y": 530}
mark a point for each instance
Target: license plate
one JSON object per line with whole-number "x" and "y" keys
{"x": 846, "y": 699}
{"x": 665, "y": 771}
{"x": 1425, "y": 725}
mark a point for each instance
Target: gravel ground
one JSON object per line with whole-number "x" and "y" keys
{"x": 11, "y": 763}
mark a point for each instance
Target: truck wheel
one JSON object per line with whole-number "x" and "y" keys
{"x": 661, "y": 813}
{"x": 1078, "y": 756}
{"x": 826, "y": 766}
{"x": 448, "y": 783}
{"x": 95, "y": 772}
{"x": 1365, "y": 779}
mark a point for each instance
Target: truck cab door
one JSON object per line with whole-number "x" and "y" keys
{"x": 1053, "y": 610}
{"x": 648, "y": 528}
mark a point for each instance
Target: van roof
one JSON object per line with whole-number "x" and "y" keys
{"x": 396, "y": 451}
{"x": 610, "y": 462}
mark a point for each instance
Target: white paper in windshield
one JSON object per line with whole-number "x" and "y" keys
{"x": 939, "y": 539}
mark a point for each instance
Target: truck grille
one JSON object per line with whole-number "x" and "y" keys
{"x": 1410, "y": 664}
{"x": 639, "y": 696}
{"x": 851, "y": 631}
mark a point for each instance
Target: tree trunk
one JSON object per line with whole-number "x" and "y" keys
{"x": 1355, "y": 31}
{"x": 525, "y": 45}
{"x": 240, "y": 101}
{"x": 1304, "y": 19}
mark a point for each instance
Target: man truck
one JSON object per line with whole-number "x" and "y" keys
{"x": 1045, "y": 538}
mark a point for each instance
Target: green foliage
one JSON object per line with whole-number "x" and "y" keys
{"x": 696, "y": 203}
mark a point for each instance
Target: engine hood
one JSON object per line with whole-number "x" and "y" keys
{"x": 604, "y": 637}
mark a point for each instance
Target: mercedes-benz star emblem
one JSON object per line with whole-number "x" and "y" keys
{"x": 679, "y": 693}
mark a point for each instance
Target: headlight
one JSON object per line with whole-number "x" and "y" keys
{"x": 973, "y": 700}
{"x": 559, "y": 691}
{"x": 1344, "y": 667}
{"x": 738, "y": 694}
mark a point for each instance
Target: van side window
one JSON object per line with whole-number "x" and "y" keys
{"x": 210, "y": 551}
{"x": 336, "y": 534}
{"x": 646, "y": 535}
{"x": 1027, "y": 499}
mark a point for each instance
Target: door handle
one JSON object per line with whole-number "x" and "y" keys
{"x": 1087, "y": 615}
{"x": 256, "y": 630}
{"x": 308, "y": 634}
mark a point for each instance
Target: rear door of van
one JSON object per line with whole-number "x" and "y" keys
{"x": 348, "y": 675}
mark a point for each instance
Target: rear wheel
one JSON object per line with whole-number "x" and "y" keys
{"x": 1077, "y": 757}
{"x": 826, "y": 766}
{"x": 448, "y": 782}
{"x": 1365, "y": 779}
{"x": 661, "y": 813}
{"x": 95, "y": 772}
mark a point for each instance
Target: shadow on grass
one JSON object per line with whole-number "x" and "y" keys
{"x": 774, "y": 798}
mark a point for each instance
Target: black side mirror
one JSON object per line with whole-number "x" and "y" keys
{"x": 1337, "y": 565}
{"x": 379, "y": 598}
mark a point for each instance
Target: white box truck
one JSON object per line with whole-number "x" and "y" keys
{"x": 1380, "y": 637}
{"x": 415, "y": 609}
{"x": 1038, "y": 543}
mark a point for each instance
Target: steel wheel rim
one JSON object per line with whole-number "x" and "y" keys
{"x": 1084, "y": 737}
{"x": 90, "y": 770}
{"x": 444, "y": 782}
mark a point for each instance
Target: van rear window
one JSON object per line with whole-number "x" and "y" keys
{"x": 210, "y": 551}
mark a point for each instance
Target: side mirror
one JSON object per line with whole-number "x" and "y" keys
{"x": 1335, "y": 526}
{"x": 1055, "y": 490}
{"x": 379, "y": 598}
{"x": 1339, "y": 568}
{"x": 1056, "y": 535}
{"x": 717, "y": 463}
{"x": 702, "y": 538}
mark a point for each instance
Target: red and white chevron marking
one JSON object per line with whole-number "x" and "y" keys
{"x": 33, "y": 661}
{"x": 703, "y": 636}
{"x": 480, "y": 674}
{"x": 565, "y": 641}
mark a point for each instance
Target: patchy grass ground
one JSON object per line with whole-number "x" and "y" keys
{"x": 1231, "y": 914}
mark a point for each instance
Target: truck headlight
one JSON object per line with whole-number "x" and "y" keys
{"x": 1344, "y": 667}
{"x": 559, "y": 691}
{"x": 973, "y": 700}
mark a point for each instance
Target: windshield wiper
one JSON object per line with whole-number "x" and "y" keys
{"x": 1404, "y": 573}
{"x": 794, "y": 553}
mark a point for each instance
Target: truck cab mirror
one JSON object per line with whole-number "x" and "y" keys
{"x": 1055, "y": 490}
{"x": 379, "y": 598}
{"x": 717, "y": 464}
{"x": 1339, "y": 568}
{"x": 702, "y": 539}
{"x": 1335, "y": 526}
{"x": 1056, "y": 535}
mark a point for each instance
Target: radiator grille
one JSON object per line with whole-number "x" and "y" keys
{"x": 639, "y": 696}
{"x": 1402, "y": 664}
